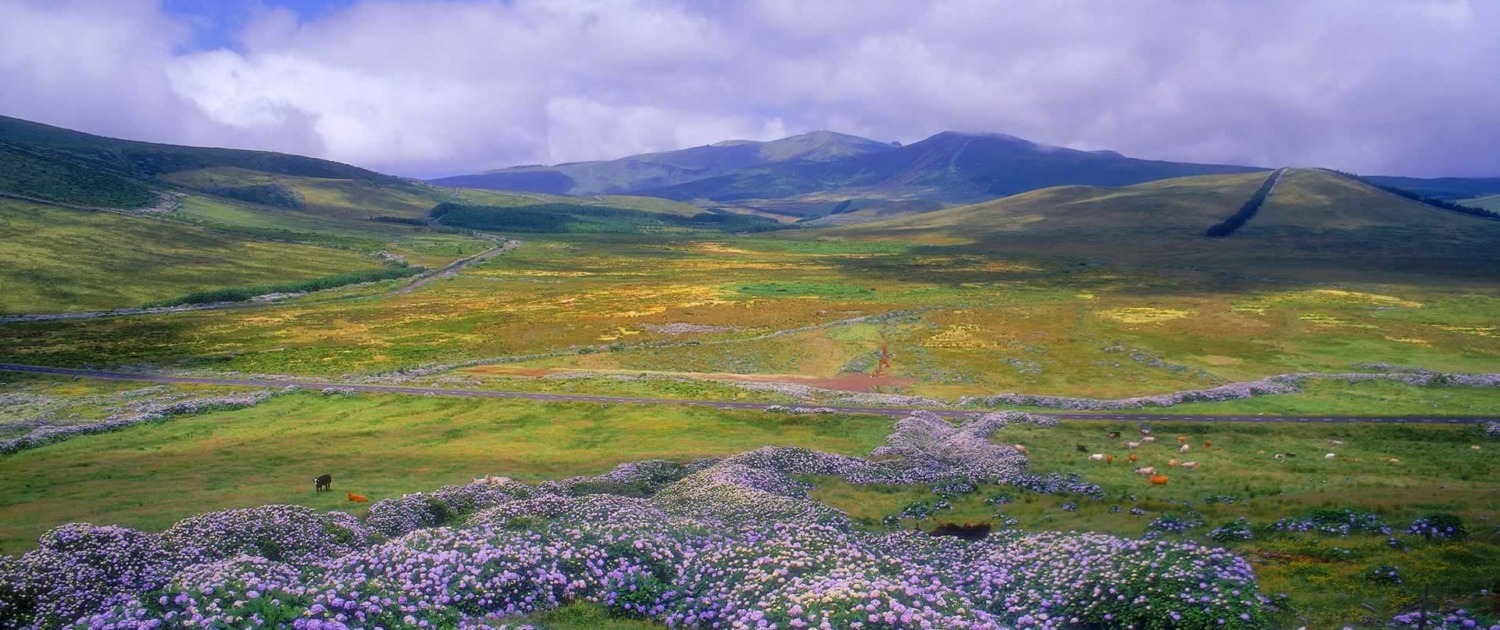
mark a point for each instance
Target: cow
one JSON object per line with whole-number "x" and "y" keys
{"x": 967, "y": 531}
{"x": 323, "y": 482}
{"x": 358, "y": 498}
{"x": 1159, "y": 480}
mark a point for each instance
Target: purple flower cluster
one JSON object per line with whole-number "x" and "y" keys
{"x": 444, "y": 506}
{"x": 1438, "y": 526}
{"x": 1492, "y": 430}
{"x": 1337, "y": 522}
{"x": 1233, "y": 531}
{"x": 1442, "y": 621}
{"x": 1171, "y": 523}
{"x": 1384, "y": 574}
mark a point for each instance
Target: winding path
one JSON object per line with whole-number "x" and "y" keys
{"x": 717, "y": 404}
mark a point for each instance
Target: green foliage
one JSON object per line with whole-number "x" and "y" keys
{"x": 241, "y": 294}
{"x": 276, "y": 194}
{"x": 35, "y": 172}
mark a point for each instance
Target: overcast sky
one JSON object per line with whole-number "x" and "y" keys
{"x": 427, "y": 87}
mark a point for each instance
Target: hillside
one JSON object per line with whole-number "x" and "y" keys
{"x": 655, "y": 170}
{"x": 1314, "y": 224}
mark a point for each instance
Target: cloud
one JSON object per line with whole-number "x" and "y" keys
{"x": 441, "y": 87}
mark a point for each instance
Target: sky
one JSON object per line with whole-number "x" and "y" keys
{"x": 425, "y": 88}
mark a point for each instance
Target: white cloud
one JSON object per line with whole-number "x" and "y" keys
{"x": 428, "y": 87}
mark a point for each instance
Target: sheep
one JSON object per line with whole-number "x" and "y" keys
{"x": 1475, "y": 448}
{"x": 1146, "y": 471}
{"x": 1280, "y": 457}
{"x": 323, "y": 482}
{"x": 1171, "y": 463}
{"x": 1189, "y": 465}
{"x": 1392, "y": 460}
{"x": 357, "y": 498}
{"x": 492, "y": 480}
{"x": 1149, "y": 439}
{"x": 1159, "y": 480}
{"x": 1132, "y": 445}
{"x": 1112, "y": 435}
{"x": 1335, "y": 442}
{"x": 1020, "y": 449}
{"x": 1329, "y": 456}
{"x": 1096, "y": 457}
{"x": 1184, "y": 449}
{"x": 1145, "y": 431}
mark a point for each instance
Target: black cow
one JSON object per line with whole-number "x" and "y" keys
{"x": 973, "y": 531}
{"x": 322, "y": 483}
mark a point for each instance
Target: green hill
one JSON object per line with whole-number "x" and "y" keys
{"x": 1314, "y": 224}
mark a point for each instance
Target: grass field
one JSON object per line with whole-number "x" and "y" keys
{"x": 58, "y": 259}
{"x": 386, "y": 445}
{"x": 1437, "y": 471}
{"x": 378, "y": 445}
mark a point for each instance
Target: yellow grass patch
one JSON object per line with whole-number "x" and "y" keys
{"x": 1410, "y": 340}
{"x": 1478, "y": 331}
{"x": 1330, "y": 321}
{"x": 1146, "y": 314}
{"x": 1328, "y": 297}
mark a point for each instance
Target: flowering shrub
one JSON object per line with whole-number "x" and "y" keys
{"x": 1440, "y": 621}
{"x": 1169, "y": 522}
{"x": 1438, "y": 526}
{"x": 1342, "y": 522}
{"x": 1492, "y": 430}
{"x": 76, "y": 569}
{"x": 1236, "y": 530}
{"x": 283, "y": 533}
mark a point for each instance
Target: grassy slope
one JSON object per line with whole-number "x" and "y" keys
{"x": 376, "y": 445}
{"x": 58, "y": 259}
{"x": 1491, "y": 203}
{"x": 1315, "y": 225}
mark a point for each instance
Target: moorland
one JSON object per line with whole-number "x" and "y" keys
{"x": 1335, "y": 298}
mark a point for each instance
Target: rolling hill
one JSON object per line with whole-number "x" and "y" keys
{"x": 656, "y": 170}
{"x": 1315, "y": 223}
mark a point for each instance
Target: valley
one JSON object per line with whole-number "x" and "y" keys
{"x": 423, "y": 336}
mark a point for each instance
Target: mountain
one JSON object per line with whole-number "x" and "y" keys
{"x": 1315, "y": 223}
{"x": 825, "y": 173}
{"x": 656, "y": 170}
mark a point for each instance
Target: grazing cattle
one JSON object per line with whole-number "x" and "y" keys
{"x": 1184, "y": 449}
{"x": 1280, "y": 457}
{"x": 1335, "y": 442}
{"x": 492, "y": 480}
{"x": 1171, "y": 463}
{"x": 1159, "y": 480}
{"x": 1020, "y": 449}
{"x": 1133, "y": 458}
{"x": 1112, "y": 434}
{"x": 1190, "y": 465}
{"x": 357, "y": 498}
{"x": 1109, "y": 459}
{"x": 1329, "y": 456}
{"x": 967, "y": 531}
{"x": 1208, "y": 444}
{"x": 1149, "y": 439}
{"x": 1392, "y": 460}
{"x": 1145, "y": 471}
{"x": 1475, "y": 448}
{"x": 1081, "y": 448}
{"x": 323, "y": 482}
{"x": 1132, "y": 445}
{"x": 1096, "y": 457}
{"x": 1182, "y": 439}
